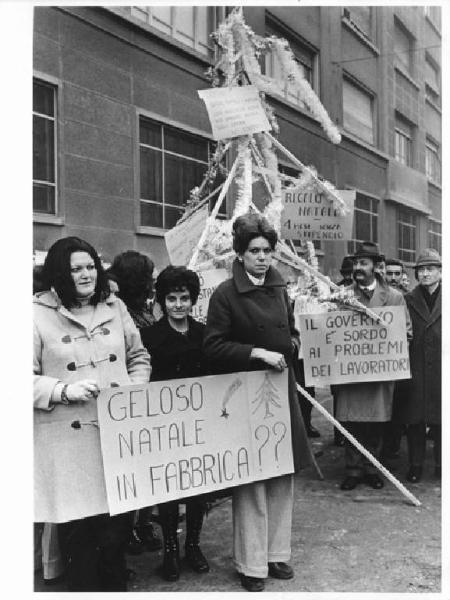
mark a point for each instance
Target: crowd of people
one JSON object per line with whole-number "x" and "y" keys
{"x": 95, "y": 329}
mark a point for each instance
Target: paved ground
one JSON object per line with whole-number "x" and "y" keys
{"x": 359, "y": 541}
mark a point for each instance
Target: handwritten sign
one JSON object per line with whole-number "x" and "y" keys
{"x": 182, "y": 239}
{"x": 172, "y": 439}
{"x": 349, "y": 347}
{"x": 234, "y": 111}
{"x": 312, "y": 216}
{"x": 209, "y": 280}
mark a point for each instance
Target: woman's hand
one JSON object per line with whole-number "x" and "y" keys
{"x": 82, "y": 391}
{"x": 275, "y": 360}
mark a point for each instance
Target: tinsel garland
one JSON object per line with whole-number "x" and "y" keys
{"x": 244, "y": 179}
{"x": 292, "y": 73}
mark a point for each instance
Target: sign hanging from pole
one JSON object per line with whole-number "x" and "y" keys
{"x": 182, "y": 239}
{"x": 311, "y": 215}
{"x": 209, "y": 280}
{"x": 234, "y": 111}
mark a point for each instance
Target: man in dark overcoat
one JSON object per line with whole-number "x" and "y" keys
{"x": 364, "y": 408}
{"x": 422, "y": 403}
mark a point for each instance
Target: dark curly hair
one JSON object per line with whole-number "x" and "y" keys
{"x": 174, "y": 279}
{"x": 56, "y": 271}
{"x": 250, "y": 226}
{"x": 133, "y": 273}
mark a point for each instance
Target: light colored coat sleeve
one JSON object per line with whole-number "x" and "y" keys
{"x": 137, "y": 357}
{"x": 43, "y": 385}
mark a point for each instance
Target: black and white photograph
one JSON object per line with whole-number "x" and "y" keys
{"x": 233, "y": 234}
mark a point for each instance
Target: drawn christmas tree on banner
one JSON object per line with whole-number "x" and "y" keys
{"x": 266, "y": 396}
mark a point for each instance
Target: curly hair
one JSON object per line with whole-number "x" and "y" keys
{"x": 56, "y": 271}
{"x": 250, "y": 226}
{"x": 174, "y": 279}
{"x": 133, "y": 273}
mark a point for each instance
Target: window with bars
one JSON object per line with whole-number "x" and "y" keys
{"x": 432, "y": 161}
{"x": 172, "y": 163}
{"x": 435, "y": 235}
{"x": 365, "y": 222}
{"x": 44, "y": 147}
{"x": 406, "y": 224}
{"x": 403, "y": 138}
{"x": 358, "y": 108}
{"x": 403, "y": 47}
{"x": 190, "y": 25}
{"x": 305, "y": 58}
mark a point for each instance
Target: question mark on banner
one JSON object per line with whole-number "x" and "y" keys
{"x": 266, "y": 429}
{"x": 274, "y": 429}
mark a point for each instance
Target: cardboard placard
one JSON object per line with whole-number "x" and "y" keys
{"x": 312, "y": 216}
{"x": 209, "y": 280}
{"x": 182, "y": 239}
{"x": 234, "y": 111}
{"x": 348, "y": 347}
{"x": 172, "y": 439}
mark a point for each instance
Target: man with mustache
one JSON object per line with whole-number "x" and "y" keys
{"x": 364, "y": 408}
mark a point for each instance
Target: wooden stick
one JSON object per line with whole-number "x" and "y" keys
{"x": 202, "y": 203}
{"x": 359, "y": 447}
{"x": 299, "y": 163}
{"x": 214, "y": 212}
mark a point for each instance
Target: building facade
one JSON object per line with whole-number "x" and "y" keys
{"x": 120, "y": 135}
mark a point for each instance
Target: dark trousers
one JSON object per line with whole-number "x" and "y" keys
{"x": 416, "y": 435}
{"x": 168, "y": 513}
{"x": 368, "y": 435}
{"x": 305, "y": 405}
{"x": 94, "y": 549}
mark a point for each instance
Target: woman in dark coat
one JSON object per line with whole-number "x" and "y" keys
{"x": 250, "y": 326}
{"x": 175, "y": 345}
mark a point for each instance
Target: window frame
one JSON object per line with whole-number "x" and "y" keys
{"x": 403, "y": 251}
{"x": 433, "y": 148}
{"x": 55, "y": 85}
{"x": 275, "y": 27}
{"x": 350, "y": 80}
{"x": 162, "y": 122}
{"x": 435, "y": 234}
{"x": 371, "y": 36}
{"x": 399, "y": 64}
{"x": 373, "y": 217}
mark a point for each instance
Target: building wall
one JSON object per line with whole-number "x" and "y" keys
{"x": 109, "y": 70}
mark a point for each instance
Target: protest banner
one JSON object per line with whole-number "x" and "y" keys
{"x": 172, "y": 439}
{"x": 182, "y": 239}
{"x": 311, "y": 215}
{"x": 350, "y": 347}
{"x": 209, "y": 280}
{"x": 234, "y": 111}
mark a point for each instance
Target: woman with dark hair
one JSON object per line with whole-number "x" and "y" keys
{"x": 132, "y": 272}
{"x": 84, "y": 340}
{"x": 175, "y": 345}
{"x": 250, "y": 326}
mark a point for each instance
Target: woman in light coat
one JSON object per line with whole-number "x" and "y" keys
{"x": 84, "y": 340}
{"x": 250, "y": 326}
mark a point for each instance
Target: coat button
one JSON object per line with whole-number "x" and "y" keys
{"x": 114, "y": 384}
{"x": 112, "y": 357}
{"x": 72, "y": 366}
{"x": 105, "y": 331}
{"x": 66, "y": 339}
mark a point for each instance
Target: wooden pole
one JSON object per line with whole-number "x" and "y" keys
{"x": 359, "y": 447}
{"x": 214, "y": 212}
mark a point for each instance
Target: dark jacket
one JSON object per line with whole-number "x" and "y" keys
{"x": 421, "y": 400}
{"x": 242, "y": 316}
{"x": 173, "y": 354}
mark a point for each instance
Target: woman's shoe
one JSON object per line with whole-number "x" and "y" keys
{"x": 374, "y": 481}
{"x": 196, "y": 559}
{"x": 252, "y": 584}
{"x": 171, "y": 565}
{"x": 350, "y": 482}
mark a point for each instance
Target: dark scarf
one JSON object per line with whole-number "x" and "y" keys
{"x": 430, "y": 299}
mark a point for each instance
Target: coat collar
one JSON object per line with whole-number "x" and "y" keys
{"x": 161, "y": 332}
{"x": 104, "y": 311}
{"x": 417, "y": 302}
{"x": 244, "y": 285}
{"x": 379, "y": 295}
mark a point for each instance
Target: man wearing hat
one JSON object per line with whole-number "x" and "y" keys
{"x": 422, "y": 404}
{"x": 363, "y": 408}
{"x": 346, "y": 271}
